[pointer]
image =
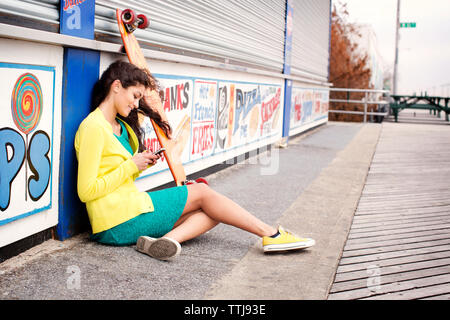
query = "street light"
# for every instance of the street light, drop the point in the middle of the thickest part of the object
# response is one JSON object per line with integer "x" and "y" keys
{"x": 397, "y": 27}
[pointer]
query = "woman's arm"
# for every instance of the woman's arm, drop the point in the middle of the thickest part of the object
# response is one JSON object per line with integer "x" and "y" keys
{"x": 90, "y": 142}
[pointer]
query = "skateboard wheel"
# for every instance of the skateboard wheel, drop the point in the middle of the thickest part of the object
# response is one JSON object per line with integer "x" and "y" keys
{"x": 128, "y": 16}
{"x": 202, "y": 180}
{"x": 143, "y": 21}
{"x": 198, "y": 180}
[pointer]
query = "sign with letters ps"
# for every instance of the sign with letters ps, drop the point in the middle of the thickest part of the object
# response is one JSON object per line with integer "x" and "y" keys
{"x": 26, "y": 139}
{"x": 77, "y": 18}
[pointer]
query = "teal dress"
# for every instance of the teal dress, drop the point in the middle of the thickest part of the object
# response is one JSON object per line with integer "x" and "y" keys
{"x": 168, "y": 203}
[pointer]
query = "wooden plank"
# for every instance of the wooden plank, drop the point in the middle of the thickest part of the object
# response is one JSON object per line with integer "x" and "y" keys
{"x": 390, "y": 278}
{"x": 386, "y": 243}
{"x": 408, "y": 289}
{"x": 375, "y": 205}
{"x": 439, "y": 226}
{"x": 438, "y": 297}
{"x": 401, "y": 205}
{"x": 399, "y": 175}
{"x": 390, "y": 197}
{"x": 411, "y": 202}
{"x": 396, "y": 228}
{"x": 372, "y": 190}
{"x": 378, "y": 188}
{"x": 405, "y": 223}
{"x": 377, "y": 181}
{"x": 407, "y": 171}
{"x": 398, "y": 215}
{"x": 369, "y": 211}
{"x": 384, "y": 211}
{"x": 414, "y": 293}
{"x": 417, "y": 265}
{"x": 393, "y": 216}
{"x": 427, "y": 256}
{"x": 377, "y": 257}
{"x": 395, "y": 246}
{"x": 399, "y": 220}
{"x": 377, "y": 241}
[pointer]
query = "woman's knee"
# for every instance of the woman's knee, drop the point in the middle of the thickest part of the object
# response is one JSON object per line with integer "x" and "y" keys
{"x": 197, "y": 192}
{"x": 199, "y": 189}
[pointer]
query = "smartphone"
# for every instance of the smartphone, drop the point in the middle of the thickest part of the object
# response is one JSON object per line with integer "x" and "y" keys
{"x": 159, "y": 151}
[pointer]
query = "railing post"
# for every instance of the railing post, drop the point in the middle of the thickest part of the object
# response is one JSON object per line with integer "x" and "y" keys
{"x": 365, "y": 107}
{"x": 446, "y": 109}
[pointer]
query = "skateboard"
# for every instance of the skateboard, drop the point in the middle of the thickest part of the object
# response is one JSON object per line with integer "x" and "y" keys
{"x": 128, "y": 22}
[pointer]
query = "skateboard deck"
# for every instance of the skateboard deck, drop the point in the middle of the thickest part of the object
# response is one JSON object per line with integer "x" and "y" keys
{"x": 175, "y": 145}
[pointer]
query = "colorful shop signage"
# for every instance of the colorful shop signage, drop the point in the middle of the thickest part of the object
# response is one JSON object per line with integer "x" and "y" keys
{"x": 308, "y": 105}
{"x": 211, "y": 116}
{"x": 26, "y": 131}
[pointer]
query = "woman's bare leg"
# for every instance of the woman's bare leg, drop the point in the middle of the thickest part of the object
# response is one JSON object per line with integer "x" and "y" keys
{"x": 214, "y": 208}
{"x": 191, "y": 225}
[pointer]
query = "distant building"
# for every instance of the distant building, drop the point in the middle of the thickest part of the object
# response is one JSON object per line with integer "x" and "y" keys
{"x": 367, "y": 44}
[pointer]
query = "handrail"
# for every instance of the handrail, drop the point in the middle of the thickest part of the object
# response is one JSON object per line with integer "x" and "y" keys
{"x": 359, "y": 90}
{"x": 366, "y": 101}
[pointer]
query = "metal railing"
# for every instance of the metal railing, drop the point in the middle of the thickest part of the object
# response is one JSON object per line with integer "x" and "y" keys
{"x": 370, "y": 97}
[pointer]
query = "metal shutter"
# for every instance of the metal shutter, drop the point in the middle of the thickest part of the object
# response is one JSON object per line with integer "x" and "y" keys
{"x": 310, "y": 38}
{"x": 242, "y": 31}
{"x": 44, "y": 11}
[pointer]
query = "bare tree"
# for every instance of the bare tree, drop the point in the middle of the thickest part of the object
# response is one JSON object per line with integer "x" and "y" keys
{"x": 348, "y": 68}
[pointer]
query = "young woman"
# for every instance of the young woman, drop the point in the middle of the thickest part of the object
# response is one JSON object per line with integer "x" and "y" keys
{"x": 111, "y": 155}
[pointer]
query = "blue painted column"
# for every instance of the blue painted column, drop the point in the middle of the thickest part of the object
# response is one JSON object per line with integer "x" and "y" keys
{"x": 80, "y": 72}
{"x": 287, "y": 68}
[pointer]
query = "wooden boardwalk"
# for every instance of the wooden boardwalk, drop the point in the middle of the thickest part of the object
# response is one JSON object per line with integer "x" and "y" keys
{"x": 399, "y": 243}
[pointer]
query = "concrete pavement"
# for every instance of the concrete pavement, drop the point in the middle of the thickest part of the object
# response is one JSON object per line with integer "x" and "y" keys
{"x": 313, "y": 192}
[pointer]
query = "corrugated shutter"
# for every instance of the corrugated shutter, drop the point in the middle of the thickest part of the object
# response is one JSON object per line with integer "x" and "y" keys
{"x": 310, "y": 38}
{"x": 45, "y": 11}
{"x": 243, "y": 31}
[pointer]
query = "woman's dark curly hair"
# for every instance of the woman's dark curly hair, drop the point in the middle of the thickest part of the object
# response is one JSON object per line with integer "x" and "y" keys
{"x": 130, "y": 75}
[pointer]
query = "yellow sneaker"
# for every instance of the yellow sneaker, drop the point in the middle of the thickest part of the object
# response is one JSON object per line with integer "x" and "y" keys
{"x": 286, "y": 241}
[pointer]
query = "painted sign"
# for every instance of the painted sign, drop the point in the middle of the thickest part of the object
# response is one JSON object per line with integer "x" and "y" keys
{"x": 210, "y": 116}
{"x": 26, "y": 132}
{"x": 178, "y": 97}
{"x": 203, "y": 119}
{"x": 246, "y": 113}
{"x": 308, "y": 105}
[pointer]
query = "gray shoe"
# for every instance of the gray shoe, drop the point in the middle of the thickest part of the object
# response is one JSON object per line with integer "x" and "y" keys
{"x": 162, "y": 248}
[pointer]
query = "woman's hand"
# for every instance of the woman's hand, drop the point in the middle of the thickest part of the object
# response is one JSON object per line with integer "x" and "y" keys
{"x": 145, "y": 159}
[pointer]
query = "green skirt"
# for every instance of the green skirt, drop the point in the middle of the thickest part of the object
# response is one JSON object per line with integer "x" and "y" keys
{"x": 169, "y": 205}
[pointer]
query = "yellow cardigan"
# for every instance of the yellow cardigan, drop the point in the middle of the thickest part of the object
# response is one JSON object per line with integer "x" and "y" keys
{"x": 106, "y": 174}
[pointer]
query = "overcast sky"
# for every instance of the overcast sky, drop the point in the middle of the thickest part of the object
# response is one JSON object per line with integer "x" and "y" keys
{"x": 424, "y": 51}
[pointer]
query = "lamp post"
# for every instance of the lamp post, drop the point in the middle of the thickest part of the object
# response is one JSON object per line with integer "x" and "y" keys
{"x": 397, "y": 34}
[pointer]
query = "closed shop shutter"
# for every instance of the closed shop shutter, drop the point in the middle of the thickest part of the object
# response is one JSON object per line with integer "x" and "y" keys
{"x": 310, "y": 38}
{"x": 247, "y": 32}
{"x": 39, "y": 14}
